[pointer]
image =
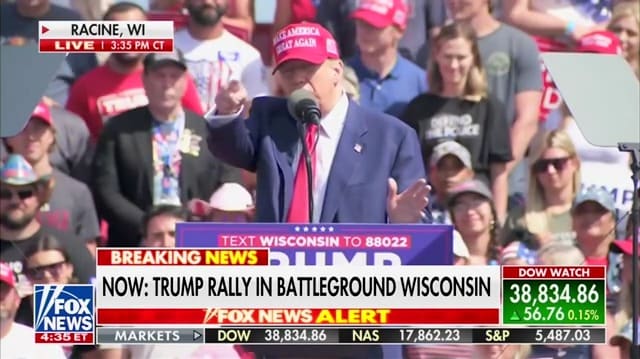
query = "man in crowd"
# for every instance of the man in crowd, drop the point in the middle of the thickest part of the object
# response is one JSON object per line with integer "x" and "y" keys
{"x": 17, "y": 340}
{"x": 154, "y": 155}
{"x": 159, "y": 225}
{"x": 20, "y": 201}
{"x": 388, "y": 81}
{"x": 73, "y": 150}
{"x": 69, "y": 205}
{"x": 215, "y": 56}
{"x": 511, "y": 60}
{"x": 116, "y": 86}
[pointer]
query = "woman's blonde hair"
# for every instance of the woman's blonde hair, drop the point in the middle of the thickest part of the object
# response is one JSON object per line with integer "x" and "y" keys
{"x": 476, "y": 85}
{"x": 624, "y": 9}
{"x": 536, "y": 217}
{"x": 560, "y": 254}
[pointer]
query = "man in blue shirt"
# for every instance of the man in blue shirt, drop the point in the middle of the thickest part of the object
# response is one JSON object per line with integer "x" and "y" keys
{"x": 388, "y": 81}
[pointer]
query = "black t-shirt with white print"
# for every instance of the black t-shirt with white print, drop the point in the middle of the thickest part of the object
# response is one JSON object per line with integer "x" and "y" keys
{"x": 480, "y": 126}
{"x": 84, "y": 265}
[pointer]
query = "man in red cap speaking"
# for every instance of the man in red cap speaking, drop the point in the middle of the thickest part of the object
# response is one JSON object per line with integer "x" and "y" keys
{"x": 366, "y": 166}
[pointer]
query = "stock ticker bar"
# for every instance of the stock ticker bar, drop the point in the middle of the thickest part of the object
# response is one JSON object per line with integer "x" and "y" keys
{"x": 349, "y": 335}
{"x": 414, "y": 335}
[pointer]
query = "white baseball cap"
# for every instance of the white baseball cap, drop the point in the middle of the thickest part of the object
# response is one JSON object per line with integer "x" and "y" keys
{"x": 231, "y": 197}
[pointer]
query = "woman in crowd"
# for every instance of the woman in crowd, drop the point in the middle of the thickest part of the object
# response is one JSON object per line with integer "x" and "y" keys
{"x": 458, "y": 107}
{"x": 554, "y": 181}
{"x": 46, "y": 262}
{"x": 625, "y": 23}
{"x": 593, "y": 217}
{"x": 474, "y": 216}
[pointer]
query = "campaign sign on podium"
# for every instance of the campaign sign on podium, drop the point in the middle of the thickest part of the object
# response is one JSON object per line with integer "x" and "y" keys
{"x": 327, "y": 244}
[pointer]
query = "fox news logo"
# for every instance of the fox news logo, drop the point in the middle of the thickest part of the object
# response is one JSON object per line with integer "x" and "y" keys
{"x": 63, "y": 308}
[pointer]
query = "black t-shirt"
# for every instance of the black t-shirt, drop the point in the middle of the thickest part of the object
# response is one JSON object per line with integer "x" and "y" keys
{"x": 84, "y": 265}
{"x": 480, "y": 126}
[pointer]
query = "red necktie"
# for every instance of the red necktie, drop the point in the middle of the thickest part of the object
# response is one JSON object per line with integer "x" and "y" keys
{"x": 299, "y": 209}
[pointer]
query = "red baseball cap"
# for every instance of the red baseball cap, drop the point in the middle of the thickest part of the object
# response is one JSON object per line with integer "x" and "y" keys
{"x": 305, "y": 41}
{"x": 382, "y": 13}
{"x": 625, "y": 246}
{"x": 7, "y": 275}
{"x": 43, "y": 113}
{"x": 602, "y": 42}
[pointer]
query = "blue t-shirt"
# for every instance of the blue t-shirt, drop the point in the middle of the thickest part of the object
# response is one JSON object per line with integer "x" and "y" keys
{"x": 392, "y": 93}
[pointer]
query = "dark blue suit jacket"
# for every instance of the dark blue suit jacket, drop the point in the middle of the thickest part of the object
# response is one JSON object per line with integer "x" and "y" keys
{"x": 372, "y": 148}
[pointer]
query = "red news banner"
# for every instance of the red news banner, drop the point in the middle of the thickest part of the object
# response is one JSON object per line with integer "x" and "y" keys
{"x": 190, "y": 286}
{"x": 105, "y": 36}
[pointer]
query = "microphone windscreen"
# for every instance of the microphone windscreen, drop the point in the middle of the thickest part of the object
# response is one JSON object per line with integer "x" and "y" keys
{"x": 299, "y": 101}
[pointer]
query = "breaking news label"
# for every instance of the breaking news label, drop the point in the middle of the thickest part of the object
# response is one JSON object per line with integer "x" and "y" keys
{"x": 63, "y": 314}
{"x": 105, "y": 36}
{"x": 350, "y": 335}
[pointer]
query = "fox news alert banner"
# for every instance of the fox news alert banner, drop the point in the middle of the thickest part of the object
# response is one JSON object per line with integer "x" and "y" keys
{"x": 235, "y": 287}
{"x": 105, "y": 36}
{"x": 328, "y": 244}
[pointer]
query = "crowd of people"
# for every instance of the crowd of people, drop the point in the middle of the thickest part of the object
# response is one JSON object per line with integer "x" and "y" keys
{"x": 122, "y": 147}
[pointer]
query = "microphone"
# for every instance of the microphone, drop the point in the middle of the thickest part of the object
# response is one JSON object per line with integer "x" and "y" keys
{"x": 303, "y": 106}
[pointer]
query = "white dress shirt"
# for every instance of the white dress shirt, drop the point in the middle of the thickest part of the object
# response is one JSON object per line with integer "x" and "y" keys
{"x": 330, "y": 132}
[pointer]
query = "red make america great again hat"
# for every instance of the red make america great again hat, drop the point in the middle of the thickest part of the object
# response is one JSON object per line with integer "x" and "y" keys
{"x": 305, "y": 41}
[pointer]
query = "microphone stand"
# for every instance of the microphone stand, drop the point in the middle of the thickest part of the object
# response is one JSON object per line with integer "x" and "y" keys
{"x": 634, "y": 149}
{"x": 306, "y": 155}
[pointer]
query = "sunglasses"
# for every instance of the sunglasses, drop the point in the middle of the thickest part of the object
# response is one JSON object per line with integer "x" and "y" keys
{"x": 558, "y": 164}
{"x": 53, "y": 269}
{"x": 22, "y": 194}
